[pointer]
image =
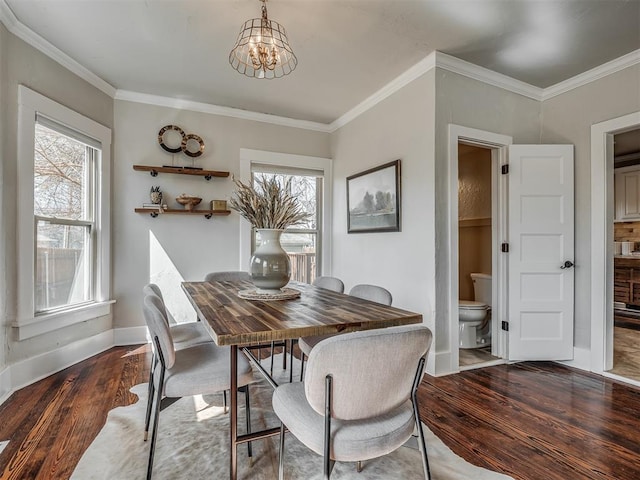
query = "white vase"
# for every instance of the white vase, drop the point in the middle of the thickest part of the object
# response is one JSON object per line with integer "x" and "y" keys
{"x": 270, "y": 269}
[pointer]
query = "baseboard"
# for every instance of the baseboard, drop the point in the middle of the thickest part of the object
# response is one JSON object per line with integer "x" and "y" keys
{"x": 439, "y": 364}
{"x": 130, "y": 336}
{"x": 30, "y": 370}
{"x": 5, "y": 384}
{"x": 581, "y": 359}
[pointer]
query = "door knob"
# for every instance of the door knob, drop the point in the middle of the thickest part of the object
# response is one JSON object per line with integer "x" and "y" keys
{"x": 567, "y": 264}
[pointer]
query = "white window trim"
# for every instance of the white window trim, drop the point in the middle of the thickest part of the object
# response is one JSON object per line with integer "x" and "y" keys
{"x": 248, "y": 157}
{"x": 27, "y": 324}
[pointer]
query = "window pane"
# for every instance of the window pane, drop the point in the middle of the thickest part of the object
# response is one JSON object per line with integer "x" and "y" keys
{"x": 304, "y": 188}
{"x": 61, "y": 187}
{"x": 62, "y": 265}
{"x": 301, "y": 248}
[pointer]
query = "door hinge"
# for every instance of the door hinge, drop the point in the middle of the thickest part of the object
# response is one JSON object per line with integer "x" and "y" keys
{"x": 505, "y": 169}
{"x": 505, "y": 247}
{"x": 505, "y": 326}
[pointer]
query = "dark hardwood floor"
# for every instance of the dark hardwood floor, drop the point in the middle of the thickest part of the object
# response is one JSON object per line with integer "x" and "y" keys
{"x": 531, "y": 421}
{"x": 51, "y": 423}
{"x": 537, "y": 421}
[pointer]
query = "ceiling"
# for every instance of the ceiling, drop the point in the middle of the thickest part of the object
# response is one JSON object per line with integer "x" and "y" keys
{"x": 347, "y": 50}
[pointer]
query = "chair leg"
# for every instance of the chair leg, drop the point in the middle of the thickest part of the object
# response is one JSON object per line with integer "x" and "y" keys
{"x": 150, "y": 394}
{"x": 154, "y": 433}
{"x": 281, "y": 455}
{"x": 284, "y": 355}
{"x": 291, "y": 361}
{"x": 302, "y": 355}
{"x": 359, "y": 466}
{"x": 224, "y": 401}
{"x": 416, "y": 416}
{"x": 247, "y": 411}
{"x": 327, "y": 463}
{"x": 272, "y": 347}
{"x": 423, "y": 445}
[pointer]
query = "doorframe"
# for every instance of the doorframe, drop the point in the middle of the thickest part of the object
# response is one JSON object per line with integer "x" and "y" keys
{"x": 498, "y": 144}
{"x": 602, "y": 208}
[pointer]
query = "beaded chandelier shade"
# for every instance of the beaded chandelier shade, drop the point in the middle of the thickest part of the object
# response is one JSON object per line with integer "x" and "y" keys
{"x": 262, "y": 49}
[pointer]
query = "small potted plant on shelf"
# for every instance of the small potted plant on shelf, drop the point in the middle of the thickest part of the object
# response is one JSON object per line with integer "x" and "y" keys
{"x": 155, "y": 195}
{"x": 270, "y": 208}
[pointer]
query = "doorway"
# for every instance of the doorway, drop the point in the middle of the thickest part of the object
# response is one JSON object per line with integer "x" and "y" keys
{"x": 602, "y": 242}
{"x": 626, "y": 256}
{"x": 475, "y": 255}
{"x": 493, "y": 145}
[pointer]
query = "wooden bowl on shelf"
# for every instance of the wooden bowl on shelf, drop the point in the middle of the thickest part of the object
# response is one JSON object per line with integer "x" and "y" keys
{"x": 188, "y": 201}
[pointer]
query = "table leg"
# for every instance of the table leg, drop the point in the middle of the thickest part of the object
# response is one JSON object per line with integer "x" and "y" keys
{"x": 233, "y": 414}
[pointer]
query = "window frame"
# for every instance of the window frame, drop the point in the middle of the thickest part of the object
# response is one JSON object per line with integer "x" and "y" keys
{"x": 285, "y": 161}
{"x": 320, "y": 181}
{"x": 28, "y": 323}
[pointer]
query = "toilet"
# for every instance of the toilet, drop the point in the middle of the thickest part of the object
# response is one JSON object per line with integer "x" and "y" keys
{"x": 475, "y": 331}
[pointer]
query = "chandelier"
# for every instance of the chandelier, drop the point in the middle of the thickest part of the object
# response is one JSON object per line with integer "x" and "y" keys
{"x": 262, "y": 49}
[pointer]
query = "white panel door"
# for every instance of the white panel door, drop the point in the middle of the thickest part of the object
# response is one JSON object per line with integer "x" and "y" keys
{"x": 541, "y": 252}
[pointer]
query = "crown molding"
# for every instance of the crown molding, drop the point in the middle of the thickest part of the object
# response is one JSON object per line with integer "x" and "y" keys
{"x": 23, "y": 32}
{"x": 485, "y": 75}
{"x": 434, "y": 59}
{"x": 218, "y": 110}
{"x": 447, "y": 62}
{"x": 419, "y": 69}
{"x": 592, "y": 75}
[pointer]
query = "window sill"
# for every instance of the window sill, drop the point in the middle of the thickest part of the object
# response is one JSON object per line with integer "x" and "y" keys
{"x": 33, "y": 327}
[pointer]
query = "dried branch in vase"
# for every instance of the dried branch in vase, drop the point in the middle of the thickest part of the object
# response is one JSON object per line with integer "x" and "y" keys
{"x": 268, "y": 205}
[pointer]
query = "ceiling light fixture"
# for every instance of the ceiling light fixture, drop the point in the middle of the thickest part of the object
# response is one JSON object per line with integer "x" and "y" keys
{"x": 262, "y": 49}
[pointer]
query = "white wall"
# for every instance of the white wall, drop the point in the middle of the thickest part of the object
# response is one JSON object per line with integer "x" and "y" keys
{"x": 25, "y": 65}
{"x": 400, "y": 127}
{"x": 567, "y": 118}
{"x": 174, "y": 248}
{"x": 3, "y": 218}
{"x": 468, "y": 103}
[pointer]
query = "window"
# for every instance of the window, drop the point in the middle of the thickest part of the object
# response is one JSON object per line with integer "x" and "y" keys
{"x": 308, "y": 245}
{"x": 63, "y": 216}
{"x": 302, "y": 242}
{"x": 63, "y": 189}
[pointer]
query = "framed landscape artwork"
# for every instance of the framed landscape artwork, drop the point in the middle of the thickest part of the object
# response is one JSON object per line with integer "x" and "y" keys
{"x": 373, "y": 200}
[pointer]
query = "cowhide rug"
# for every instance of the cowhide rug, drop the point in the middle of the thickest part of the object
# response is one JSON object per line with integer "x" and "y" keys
{"x": 193, "y": 443}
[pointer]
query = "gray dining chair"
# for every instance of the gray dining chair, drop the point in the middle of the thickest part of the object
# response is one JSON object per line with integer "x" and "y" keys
{"x": 229, "y": 276}
{"x": 329, "y": 283}
{"x": 184, "y": 335}
{"x": 365, "y": 291}
{"x": 237, "y": 276}
{"x": 202, "y": 369}
{"x": 358, "y": 400}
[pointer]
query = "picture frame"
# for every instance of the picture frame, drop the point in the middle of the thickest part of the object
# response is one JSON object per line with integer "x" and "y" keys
{"x": 373, "y": 199}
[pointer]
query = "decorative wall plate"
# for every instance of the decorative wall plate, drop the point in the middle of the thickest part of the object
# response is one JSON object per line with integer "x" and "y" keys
{"x": 192, "y": 145}
{"x": 161, "y": 141}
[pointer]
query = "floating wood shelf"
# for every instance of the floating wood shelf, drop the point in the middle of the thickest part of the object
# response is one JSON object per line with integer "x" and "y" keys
{"x": 207, "y": 174}
{"x": 154, "y": 212}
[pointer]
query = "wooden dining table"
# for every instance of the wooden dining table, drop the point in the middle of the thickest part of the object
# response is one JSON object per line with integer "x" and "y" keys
{"x": 242, "y": 324}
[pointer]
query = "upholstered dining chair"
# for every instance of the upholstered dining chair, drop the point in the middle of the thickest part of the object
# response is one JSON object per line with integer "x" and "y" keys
{"x": 184, "y": 335}
{"x": 365, "y": 291}
{"x": 198, "y": 370}
{"x": 358, "y": 400}
{"x": 237, "y": 276}
{"x": 230, "y": 276}
{"x": 329, "y": 283}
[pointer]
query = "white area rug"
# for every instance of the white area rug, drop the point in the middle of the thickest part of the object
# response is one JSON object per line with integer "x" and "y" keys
{"x": 193, "y": 444}
{"x": 3, "y": 445}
